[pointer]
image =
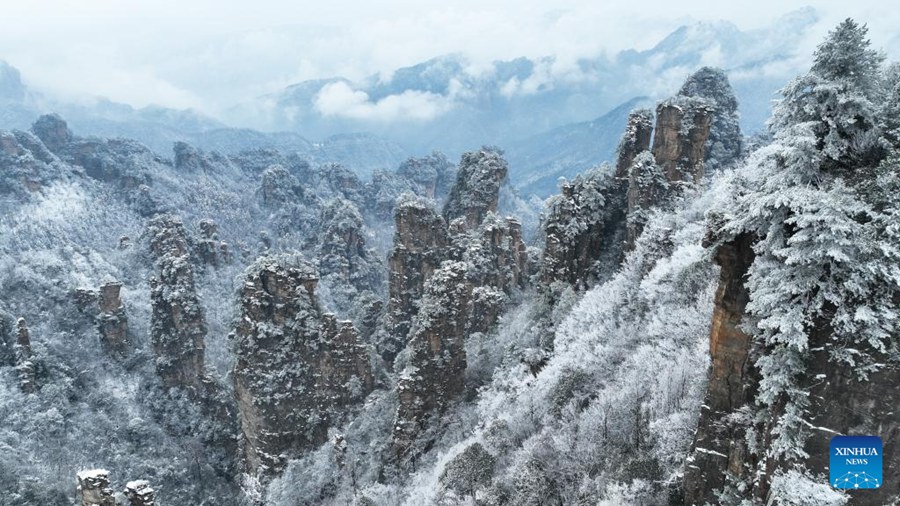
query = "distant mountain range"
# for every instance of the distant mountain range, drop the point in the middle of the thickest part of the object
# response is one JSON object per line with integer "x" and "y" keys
{"x": 553, "y": 120}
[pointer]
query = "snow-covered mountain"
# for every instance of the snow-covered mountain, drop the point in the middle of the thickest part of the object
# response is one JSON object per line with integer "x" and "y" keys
{"x": 449, "y": 104}
{"x": 552, "y": 118}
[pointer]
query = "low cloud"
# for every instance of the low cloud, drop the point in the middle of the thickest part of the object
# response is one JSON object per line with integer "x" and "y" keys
{"x": 340, "y": 100}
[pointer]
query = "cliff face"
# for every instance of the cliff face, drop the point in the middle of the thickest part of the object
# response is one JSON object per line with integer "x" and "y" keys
{"x": 719, "y": 444}
{"x": 53, "y": 132}
{"x": 351, "y": 269}
{"x": 112, "y": 322}
{"x": 679, "y": 142}
{"x": 477, "y": 187}
{"x": 436, "y": 371}
{"x": 638, "y": 133}
{"x": 93, "y": 488}
{"x": 420, "y": 245}
{"x": 296, "y": 370}
{"x": 7, "y": 341}
{"x": 648, "y": 187}
{"x": 725, "y": 141}
{"x": 178, "y": 325}
{"x": 585, "y": 230}
{"x": 24, "y": 365}
{"x": 840, "y": 403}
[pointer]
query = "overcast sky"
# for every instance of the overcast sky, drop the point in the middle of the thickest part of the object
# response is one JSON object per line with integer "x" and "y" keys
{"x": 208, "y": 54}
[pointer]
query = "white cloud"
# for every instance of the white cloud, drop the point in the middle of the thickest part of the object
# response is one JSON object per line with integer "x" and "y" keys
{"x": 210, "y": 54}
{"x": 339, "y": 99}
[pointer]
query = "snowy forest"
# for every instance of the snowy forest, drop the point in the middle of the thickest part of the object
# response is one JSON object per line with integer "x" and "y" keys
{"x": 688, "y": 323}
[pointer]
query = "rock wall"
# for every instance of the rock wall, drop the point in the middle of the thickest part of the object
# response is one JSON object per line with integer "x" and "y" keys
{"x": 421, "y": 243}
{"x": 177, "y": 323}
{"x": 584, "y": 228}
{"x": 719, "y": 443}
{"x": 477, "y": 188}
{"x": 297, "y": 369}
{"x": 93, "y": 488}
{"x": 648, "y": 187}
{"x": 839, "y": 404}
{"x": 112, "y": 322}
{"x": 140, "y": 493}
{"x": 208, "y": 249}
{"x": 638, "y": 132}
{"x": 725, "y": 140}
{"x": 435, "y": 375}
{"x": 7, "y": 339}
{"x": 24, "y": 365}
{"x": 679, "y": 141}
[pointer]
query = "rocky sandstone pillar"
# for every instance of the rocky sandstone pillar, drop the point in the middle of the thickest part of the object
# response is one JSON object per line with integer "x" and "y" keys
{"x": 297, "y": 369}
{"x": 679, "y": 142}
{"x": 93, "y": 488}
{"x": 139, "y": 493}
{"x": 111, "y": 320}
{"x": 178, "y": 325}
{"x": 24, "y": 366}
{"x": 421, "y": 243}
{"x": 435, "y": 375}
{"x": 719, "y": 444}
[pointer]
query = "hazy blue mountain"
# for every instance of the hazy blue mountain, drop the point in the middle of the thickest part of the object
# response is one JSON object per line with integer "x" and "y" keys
{"x": 552, "y": 123}
{"x": 567, "y": 150}
{"x": 518, "y": 99}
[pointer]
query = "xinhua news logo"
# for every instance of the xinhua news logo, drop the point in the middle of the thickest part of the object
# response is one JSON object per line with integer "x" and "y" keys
{"x": 856, "y": 462}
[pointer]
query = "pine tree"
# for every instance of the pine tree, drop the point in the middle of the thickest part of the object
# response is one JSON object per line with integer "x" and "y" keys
{"x": 837, "y": 100}
{"x": 821, "y": 200}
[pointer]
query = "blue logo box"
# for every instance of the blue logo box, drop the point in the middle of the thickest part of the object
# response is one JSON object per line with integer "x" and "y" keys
{"x": 856, "y": 462}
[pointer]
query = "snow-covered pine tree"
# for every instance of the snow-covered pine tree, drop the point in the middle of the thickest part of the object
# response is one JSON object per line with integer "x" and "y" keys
{"x": 827, "y": 255}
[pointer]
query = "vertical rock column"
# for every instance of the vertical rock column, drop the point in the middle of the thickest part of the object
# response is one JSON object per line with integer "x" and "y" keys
{"x": 679, "y": 143}
{"x": 638, "y": 132}
{"x": 420, "y": 245}
{"x": 719, "y": 444}
{"x": 139, "y": 493}
{"x": 647, "y": 188}
{"x": 112, "y": 321}
{"x": 178, "y": 325}
{"x": 297, "y": 370}
{"x": 24, "y": 365}
{"x": 435, "y": 375}
{"x": 7, "y": 342}
{"x": 477, "y": 187}
{"x": 93, "y": 488}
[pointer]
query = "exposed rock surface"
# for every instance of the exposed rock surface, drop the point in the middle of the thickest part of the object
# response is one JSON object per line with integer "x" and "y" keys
{"x": 477, "y": 188}
{"x": 297, "y": 369}
{"x": 840, "y": 403}
{"x": 208, "y": 248}
{"x": 24, "y": 365}
{"x": 679, "y": 141}
{"x": 496, "y": 254}
{"x": 584, "y": 227}
{"x": 432, "y": 176}
{"x": 53, "y": 132}
{"x": 112, "y": 322}
{"x": 178, "y": 325}
{"x": 140, "y": 493}
{"x": 435, "y": 375}
{"x": 647, "y": 187}
{"x": 420, "y": 245}
{"x": 7, "y": 339}
{"x": 719, "y": 443}
{"x": 279, "y": 187}
{"x": 638, "y": 132}
{"x": 344, "y": 260}
{"x": 725, "y": 141}
{"x": 93, "y": 488}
